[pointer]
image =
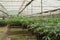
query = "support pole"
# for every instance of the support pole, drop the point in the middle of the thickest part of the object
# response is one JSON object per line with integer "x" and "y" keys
{"x": 41, "y": 8}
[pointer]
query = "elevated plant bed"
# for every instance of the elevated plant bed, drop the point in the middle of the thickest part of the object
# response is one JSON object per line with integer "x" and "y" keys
{"x": 3, "y": 25}
{"x": 18, "y": 26}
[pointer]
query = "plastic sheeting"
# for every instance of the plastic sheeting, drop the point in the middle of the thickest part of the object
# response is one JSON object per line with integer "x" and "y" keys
{"x": 34, "y": 7}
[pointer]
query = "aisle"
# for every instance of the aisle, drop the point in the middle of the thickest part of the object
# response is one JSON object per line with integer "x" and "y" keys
{"x": 3, "y": 33}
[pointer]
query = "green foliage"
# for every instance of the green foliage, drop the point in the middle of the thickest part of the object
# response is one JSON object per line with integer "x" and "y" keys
{"x": 3, "y": 23}
{"x": 49, "y": 27}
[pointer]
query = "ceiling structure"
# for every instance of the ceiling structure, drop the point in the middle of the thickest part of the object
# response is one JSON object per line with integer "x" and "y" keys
{"x": 34, "y": 7}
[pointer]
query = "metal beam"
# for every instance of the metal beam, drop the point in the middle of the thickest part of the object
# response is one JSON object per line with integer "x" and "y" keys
{"x": 4, "y": 12}
{"x": 3, "y": 7}
{"x": 25, "y": 6}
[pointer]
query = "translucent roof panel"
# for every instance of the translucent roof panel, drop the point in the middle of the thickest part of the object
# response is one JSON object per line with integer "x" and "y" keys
{"x": 34, "y": 7}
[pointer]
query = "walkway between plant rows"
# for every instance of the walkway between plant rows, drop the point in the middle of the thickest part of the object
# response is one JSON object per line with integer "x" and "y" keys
{"x": 3, "y": 33}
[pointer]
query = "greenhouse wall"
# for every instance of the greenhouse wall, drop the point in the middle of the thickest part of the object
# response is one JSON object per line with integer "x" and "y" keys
{"x": 47, "y": 14}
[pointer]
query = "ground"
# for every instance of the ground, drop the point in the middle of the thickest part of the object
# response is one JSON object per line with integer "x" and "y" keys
{"x": 3, "y": 33}
{"x": 20, "y": 34}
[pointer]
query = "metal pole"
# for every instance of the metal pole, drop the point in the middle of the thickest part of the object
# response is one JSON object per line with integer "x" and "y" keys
{"x": 22, "y": 5}
{"x": 42, "y": 7}
{"x": 50, "y": 14}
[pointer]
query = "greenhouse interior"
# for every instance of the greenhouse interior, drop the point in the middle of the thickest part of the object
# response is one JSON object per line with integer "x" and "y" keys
{"x": 29, "y": 19}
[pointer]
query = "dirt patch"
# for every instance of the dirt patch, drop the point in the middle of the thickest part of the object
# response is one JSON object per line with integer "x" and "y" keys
{"x": 20, "y": 34}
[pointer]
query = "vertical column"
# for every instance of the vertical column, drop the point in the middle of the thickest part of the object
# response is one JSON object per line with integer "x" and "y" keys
{"x": 31, "y": 8}
{"x": 41, "y": 8}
